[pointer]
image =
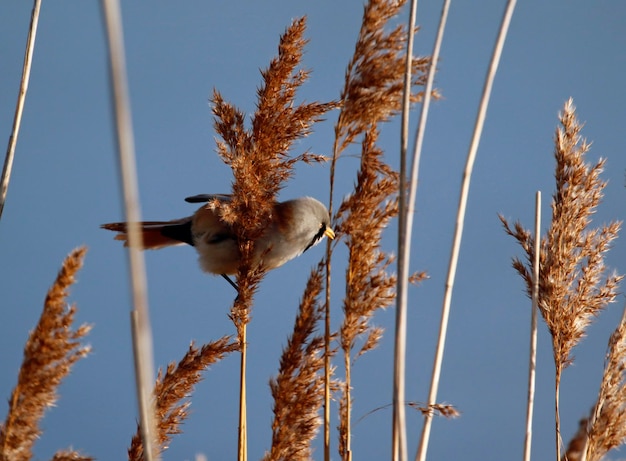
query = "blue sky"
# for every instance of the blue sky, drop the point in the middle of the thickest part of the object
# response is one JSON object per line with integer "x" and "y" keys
{"x": 65, "y": 185}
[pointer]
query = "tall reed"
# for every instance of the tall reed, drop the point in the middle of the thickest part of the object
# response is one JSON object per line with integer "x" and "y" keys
{"x": 573, "y": 285}
{"x": 260, "y": 161}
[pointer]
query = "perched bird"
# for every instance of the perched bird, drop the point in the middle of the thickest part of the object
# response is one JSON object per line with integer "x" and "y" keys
{"x": 295, "y": 226}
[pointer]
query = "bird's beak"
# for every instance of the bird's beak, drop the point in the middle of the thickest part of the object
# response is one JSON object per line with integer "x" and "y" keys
{"x": 328, "y": 232}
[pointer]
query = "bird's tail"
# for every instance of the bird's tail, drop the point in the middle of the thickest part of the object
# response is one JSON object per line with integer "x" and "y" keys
{"x": 156, "y": 234}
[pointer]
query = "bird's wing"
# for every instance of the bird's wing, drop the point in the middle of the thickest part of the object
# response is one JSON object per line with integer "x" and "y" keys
{"x": 202, "y": 198}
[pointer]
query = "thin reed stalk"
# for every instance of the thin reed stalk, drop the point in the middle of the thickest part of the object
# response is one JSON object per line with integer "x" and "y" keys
{"x": 140, "y": 320}
{"x": 557, "y": 415}
{"x": 460, "y": 219}
{"x": 404, "y": 261}
{"x": 398, "y": 433}
{"x": 242, "y": 432}
{"x": 19, "y": 108}
{"x": 327, "y": 330}
{"x": 406, "y": 212}
{"x": 532, "y": 359}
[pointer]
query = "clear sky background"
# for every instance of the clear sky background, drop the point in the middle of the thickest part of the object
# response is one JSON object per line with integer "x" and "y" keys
{"x": 65, "y": 185}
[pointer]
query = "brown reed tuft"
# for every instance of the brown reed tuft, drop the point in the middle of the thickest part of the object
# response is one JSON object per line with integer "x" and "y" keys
{"x": 374, "y": 76}
{"x": 260, "y": 161}
{"x": 361, "y": 219}
{"x": 573, "y": 287}
{"x": 606, "y": 426}
{"x": 173, "y": 387}
{"x": 50, "y": 352}
{"x": 259, "y": 156}
{"x": 298, "y": 390}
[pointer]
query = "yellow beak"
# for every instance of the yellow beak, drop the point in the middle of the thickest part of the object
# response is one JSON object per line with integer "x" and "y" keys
{"x": 328, "y": 232}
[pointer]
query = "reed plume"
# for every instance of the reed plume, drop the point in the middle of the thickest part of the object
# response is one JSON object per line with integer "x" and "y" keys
{"x": 174, "y": 388}
{"x": 373, "y": 85}
{"x": 605, "y": 428}
{"x": 298, "y": 389}
{"x": 259, "y": 156}
{"x": 573, "y": 286}
{"x": 51, "y": 350}
{"x": 361, "y": 219}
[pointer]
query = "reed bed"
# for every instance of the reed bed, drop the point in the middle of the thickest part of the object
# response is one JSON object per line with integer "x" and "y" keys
{"x": 573, "y": 282}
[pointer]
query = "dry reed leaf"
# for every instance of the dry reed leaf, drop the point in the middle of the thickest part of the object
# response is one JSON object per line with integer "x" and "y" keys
{"x": 298, "y": 390}
{"x": 440, "y": 409}
{"x": 174, "y": 387}
{"x": 418, "y": 277}
{"x": 436, "y": 409}
{"x": 50, "y": 352}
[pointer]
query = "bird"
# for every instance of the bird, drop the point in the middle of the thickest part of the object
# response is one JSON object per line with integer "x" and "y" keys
{"x": 294, "y": 227}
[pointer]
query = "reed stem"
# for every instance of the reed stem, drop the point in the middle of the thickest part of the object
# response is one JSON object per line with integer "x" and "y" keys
{"x": 19, "y": 108}
{"x": 532, "y": 365}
